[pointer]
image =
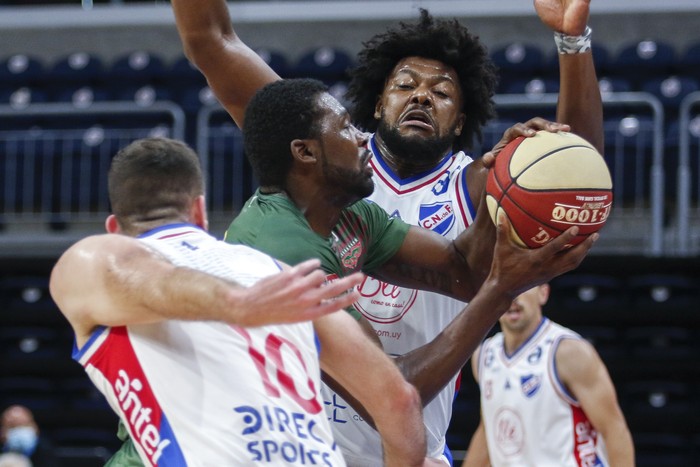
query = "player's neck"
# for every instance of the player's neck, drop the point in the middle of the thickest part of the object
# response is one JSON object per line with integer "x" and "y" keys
{"x": 513, "y": 339}
{"x": 402, "y": 166}
{"x": 321, "y": 207}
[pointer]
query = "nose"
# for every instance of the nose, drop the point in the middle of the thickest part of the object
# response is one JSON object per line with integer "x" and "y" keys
{"x": 362, "y": 138}
{"x": 421, "y": 95}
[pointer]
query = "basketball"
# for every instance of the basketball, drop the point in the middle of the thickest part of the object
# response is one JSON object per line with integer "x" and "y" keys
{"x": 547, "y": 183}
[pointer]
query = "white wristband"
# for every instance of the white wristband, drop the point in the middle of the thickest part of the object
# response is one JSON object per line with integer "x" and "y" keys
{"x": 573, "y": 44}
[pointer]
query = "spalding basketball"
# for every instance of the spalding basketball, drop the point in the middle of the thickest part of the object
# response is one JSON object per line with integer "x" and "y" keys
{"x": 547, "y": 183}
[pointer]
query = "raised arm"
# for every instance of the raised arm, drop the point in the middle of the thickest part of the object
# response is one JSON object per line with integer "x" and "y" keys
{"x": 114, "y": 280}
{"x": 580, "y": 104}
{"x": 584, "y": 374}
{"x": 233, "y": 70}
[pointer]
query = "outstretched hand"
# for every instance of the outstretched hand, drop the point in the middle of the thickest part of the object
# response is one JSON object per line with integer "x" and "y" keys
{"x": 566, "y": 16}
{"x": 299, "y": 293}
{"x": 517, "y": 269}
{"x": 527, "y": 129}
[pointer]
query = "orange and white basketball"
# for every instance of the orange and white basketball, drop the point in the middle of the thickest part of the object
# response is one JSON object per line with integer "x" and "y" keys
{"x": 547, "y": 183}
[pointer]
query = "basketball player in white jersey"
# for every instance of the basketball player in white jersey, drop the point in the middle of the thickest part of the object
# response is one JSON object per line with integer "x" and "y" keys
{"x": 203, "y": 348}
{"x": 546, "y": 397}
{"x": 427, "y": 90}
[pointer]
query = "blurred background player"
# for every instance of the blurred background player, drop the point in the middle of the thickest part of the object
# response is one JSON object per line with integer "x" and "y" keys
{"x": 546, "y": 396}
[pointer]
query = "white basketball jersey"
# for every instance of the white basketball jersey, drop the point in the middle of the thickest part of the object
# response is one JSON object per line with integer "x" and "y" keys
{"x": 405, "y": 319}
{"x": 530, "y": 419}
{"x": 199, "y": 393}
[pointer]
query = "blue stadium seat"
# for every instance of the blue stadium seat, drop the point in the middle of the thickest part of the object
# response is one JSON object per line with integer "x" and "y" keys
{"x": 83, "y": 97}
{"x": 608, "y": 84}
{"x": 194, "y": 98}
{"x": 533, "y": 87}
{"x": 665, "y": 297}
{"x": 144, "y": 96}
{"x": 328, "y": 64}
{"x": 662, "y": 351}
{"x": 518, "y": 57}
{"x": 659, "y": 406}
{"x": 136, "y": 68}
{"x": 629, "y": 145}
{"x": 77, "y": 68}
{"x": 606, "y": 340}
{"x": 586, "y": 299}
{"x": 671, "y": 90}
{"x": 641, "y": 60}
{"x": 21, "y": 69}
{"x": 276, "y": 59}
{"x": 21, "y": 97}
{"x": 690, "y": 59}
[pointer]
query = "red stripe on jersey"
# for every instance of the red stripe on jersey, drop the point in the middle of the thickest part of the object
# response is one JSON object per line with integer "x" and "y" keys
{"x": 118, "y": 363}
{"x": 585, "y": 438}
{"x": 387, "y": 182}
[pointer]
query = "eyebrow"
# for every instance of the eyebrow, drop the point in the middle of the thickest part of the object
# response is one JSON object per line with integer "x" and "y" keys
{"x": 414, "y": 74}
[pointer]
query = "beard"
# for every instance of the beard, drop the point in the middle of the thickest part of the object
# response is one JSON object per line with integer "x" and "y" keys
{"x": 354, "y": 183}
{"x": 414, "y": 148}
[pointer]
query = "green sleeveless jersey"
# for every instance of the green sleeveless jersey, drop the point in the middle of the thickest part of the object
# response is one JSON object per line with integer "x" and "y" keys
{"x": 364, "y": 238}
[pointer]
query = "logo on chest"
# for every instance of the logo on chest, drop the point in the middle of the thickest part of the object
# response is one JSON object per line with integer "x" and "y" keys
{"x": 438, "y": 217}
{"x": 349, "y": 253}
{"x": 381, "y": 302}
{"x": 530, "y": 384}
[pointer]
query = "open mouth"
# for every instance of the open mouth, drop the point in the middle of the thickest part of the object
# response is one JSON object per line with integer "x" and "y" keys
{"x": 417, "y": 118}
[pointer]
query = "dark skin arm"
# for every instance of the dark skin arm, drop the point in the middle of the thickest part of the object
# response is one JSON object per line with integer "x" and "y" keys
{"x": 513, "y": 270}
{"x": 233, "y": 70}
{"x": 580, "y": 104}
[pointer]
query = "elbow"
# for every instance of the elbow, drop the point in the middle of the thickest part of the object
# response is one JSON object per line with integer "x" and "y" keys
{"x": 405, "y": 399}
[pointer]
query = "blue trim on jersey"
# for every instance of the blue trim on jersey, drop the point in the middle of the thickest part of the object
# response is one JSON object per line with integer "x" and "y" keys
{"x": 77, "y": 353}
{"x": 318, "y": 343}
{"x": 555, "y": 372}
{"x": 468, "y": 199}
{"x": 172, "y": 454}
{"x": 527, "y": 341}
{"x": 447, "y": 453}
{"x": 161, "y": 228}
{"x": 395, "y": 177}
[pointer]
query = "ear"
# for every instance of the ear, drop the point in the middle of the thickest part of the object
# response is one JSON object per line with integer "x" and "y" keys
{"x": 460, "y": 124}
{"x": 198, "y": 213}
{"x": 543, "y": 293}
{"x": 378, "y": 109}
{"x": 304, "y": 150}
{"x": 111, "y": 224}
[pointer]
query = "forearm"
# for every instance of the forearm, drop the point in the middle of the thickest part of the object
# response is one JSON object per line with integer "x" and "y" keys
{"x": 430, "y": 367}
{"x": 477, "y": 452}
{"x": 580, "y": 104}
{"x": 619, "y": 445}
{"x": 370, "y": 377}
{"x": 200, "y": 24}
